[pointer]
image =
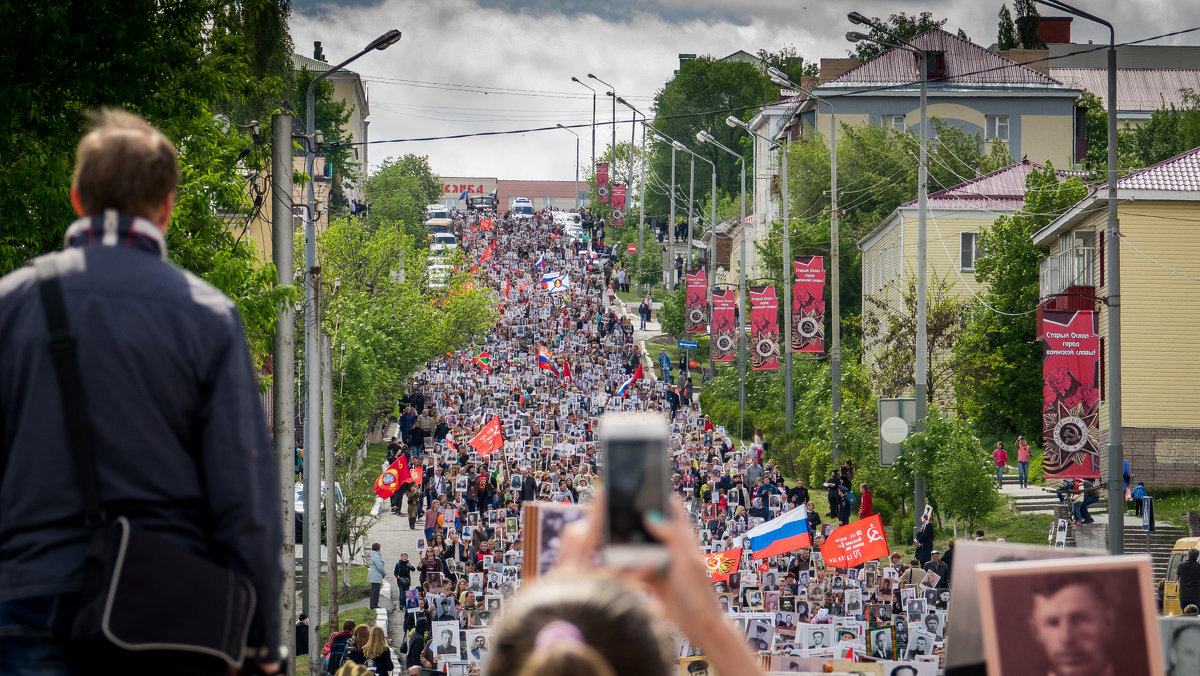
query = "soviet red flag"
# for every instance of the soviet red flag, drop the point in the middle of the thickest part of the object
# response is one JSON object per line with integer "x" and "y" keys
{"x": 721, "y": 564}
{"x": 489, "y": 438}
{"x": 395, "y": 476}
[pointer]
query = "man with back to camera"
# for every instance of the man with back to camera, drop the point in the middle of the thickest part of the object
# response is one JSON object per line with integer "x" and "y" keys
{"x": 1075, "y": 623}
{"x": 173, "y": 407}
{"x": 1188, "y": 573}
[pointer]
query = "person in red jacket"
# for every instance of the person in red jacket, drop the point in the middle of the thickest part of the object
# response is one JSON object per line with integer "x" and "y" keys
{"x": 866, "y": 509}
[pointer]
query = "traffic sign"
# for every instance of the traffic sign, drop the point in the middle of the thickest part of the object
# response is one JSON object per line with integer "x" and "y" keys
{"x": 632, "y": 248}
{"x": 687, "y": 345}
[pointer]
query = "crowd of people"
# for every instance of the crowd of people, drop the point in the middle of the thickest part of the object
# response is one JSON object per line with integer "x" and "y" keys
{"x": 560, "y": 356}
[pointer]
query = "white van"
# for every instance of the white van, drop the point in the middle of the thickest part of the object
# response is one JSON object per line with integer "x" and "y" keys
{"x": 520, "y": 207}
{"x": 436, "y": 211}
{"x": 442, "y": 241}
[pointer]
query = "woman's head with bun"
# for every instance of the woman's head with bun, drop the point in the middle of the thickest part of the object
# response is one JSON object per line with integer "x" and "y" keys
{"x": 581, "y": 626}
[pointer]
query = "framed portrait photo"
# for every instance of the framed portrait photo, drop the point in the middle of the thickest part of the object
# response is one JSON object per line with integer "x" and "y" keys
{"x": 1082, "y": 615}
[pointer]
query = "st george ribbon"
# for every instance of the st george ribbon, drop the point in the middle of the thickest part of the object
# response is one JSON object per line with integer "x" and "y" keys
{"x": 1070, "y": 395}
{"x": 764, "y": 328}
{"x": 724, "y": 329}
{"x": 808, "y": 305}
{"x": 695, "y": 319}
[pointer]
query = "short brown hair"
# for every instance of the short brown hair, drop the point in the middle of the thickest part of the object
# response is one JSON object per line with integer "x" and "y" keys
{"x": 123, "y": 163}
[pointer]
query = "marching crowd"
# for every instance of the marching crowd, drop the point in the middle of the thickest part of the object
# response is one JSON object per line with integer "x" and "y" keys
{"x": 561, "y": 355}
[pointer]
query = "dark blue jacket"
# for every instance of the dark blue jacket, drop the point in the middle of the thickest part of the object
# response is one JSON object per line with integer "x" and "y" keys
{"x": 173, "y": 406}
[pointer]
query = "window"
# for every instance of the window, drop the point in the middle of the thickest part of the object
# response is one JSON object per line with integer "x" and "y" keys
{"x": 968, "y": 250}
{"x": 996, "y": 128}
{"x": 896, "y": 122}
{"x": 937, "y": 65}
{"x": 866, "y": 274}
{"x": 1083, "y": 259}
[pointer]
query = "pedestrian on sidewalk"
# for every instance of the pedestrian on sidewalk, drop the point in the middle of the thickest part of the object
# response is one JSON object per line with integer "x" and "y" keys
{"x": 1000, "y": 459}
{"x": 403, "y": 573}
{"x": 867, "y": 509}
{"x": 375, "y": 573}
{"x": 1022, "y": 462}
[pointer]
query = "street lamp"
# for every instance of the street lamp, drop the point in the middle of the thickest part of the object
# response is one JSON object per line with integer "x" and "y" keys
{"x": 641, "y": 181}
{"x": 835, "y": 351}
{"x": 921, "y": 371}
{"x": 671, "y": 217}
{"x": 712, "y": 244}
{"x": 580, "y": 82}
{"x": 613, "y": 94}
{"x": 1116, "y": 450}
{"x": 560, "y": 126}
{"x": 705, "y": 137}
{"x": 312, "y": 357}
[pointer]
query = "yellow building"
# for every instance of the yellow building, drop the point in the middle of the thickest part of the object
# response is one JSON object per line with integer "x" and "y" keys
{"x": 1159, "y": 214}
{"x": 956, "y": 216}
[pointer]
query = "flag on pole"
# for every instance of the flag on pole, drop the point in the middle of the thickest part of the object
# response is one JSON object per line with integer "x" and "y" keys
{"x": 489, "y": 438}
{"x": 567, "y": 370}
{"x": 482, "y": 360}
{"x": 395, "y": 476}
{"x": 463, "y": 196}
{"x": 546, "y": 360}
{"x": 855, "y": 543}
{"x": 721, "y": 564}
{"x": 541, "y": 262}
{"x": 554, "y": 283}
{"x": 637, "y": 375}
{"x": 785, "y": 533}
{"x": 506, "y": 288}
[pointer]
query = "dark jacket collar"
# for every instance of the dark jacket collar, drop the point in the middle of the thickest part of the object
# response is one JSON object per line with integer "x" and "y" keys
{"x": 114, "y": 229}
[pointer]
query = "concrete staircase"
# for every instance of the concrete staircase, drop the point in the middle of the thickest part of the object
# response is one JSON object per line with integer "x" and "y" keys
{"x": 1037, "y": 500}
{"x": 1158, "y": 544}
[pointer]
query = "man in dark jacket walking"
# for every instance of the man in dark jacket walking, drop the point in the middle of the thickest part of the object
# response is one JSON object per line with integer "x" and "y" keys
{"x": 924, "y": 542}
{"x": 528, "y": 488}
{"x": 1188, "y": 573}
{"x": 172, "y": 404}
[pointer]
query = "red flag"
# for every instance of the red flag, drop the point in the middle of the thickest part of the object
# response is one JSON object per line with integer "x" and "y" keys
{"x": 487, "y": 253}
{"x": 763, "y": 567}
{"x": 489, "y": 438}
{"x": 721, "y": 564}
{"x": 567, "y": 370}
{"x": 418, "y": 475}
{"x": 395, "y": 476}
{"x": 856, "y": 543}
{"x": 506, "y": 288}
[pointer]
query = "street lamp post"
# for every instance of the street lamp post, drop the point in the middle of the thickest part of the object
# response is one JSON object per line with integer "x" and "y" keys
{"x": 1116, "y": 447}
{"x": 835, "y": 349}
{"x": 705, "y": 137}
{"x": 712, "y": 244}
{"x": 580, "y": 82}
{"x": 312, "y": 357}
{"x": 641, "y": 181}
{"x": 612, "y": 94}
{"x": 560, "y": 126}
{"x": 921, "y": 371}
{"x": 671, "y": 218}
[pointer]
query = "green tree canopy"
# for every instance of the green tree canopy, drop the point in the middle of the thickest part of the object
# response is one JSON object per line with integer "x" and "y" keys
{"x": 399, "y": 192}
{"x": 902, "y": 26}
{"x": 1006, "y": 33}
{"x": 1027, "y": 25}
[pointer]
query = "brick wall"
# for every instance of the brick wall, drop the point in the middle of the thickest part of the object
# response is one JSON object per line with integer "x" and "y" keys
{"x": 1160, "y": 457}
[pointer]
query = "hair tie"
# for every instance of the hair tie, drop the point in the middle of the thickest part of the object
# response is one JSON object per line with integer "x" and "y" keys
{"x": 558, "y": 630}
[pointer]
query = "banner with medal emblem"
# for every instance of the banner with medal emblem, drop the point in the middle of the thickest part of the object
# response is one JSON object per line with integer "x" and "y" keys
{"x": 722, "y": 564}
{"x": 808, "y": 305}
{"x": 1071, "y": 395}
{"x": 695, "y": 318}
{"x": 724, "y": 329}
{"x": 602, "y": 187}
{"x": 618, "y": 204}
{"x": 764, "y": 328}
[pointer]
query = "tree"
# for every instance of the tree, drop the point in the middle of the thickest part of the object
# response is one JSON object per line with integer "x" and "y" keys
{"x": 333, "y": 117}
{"x": 671, "y": 315}
{"x": 1006, "y": 34}
{"x": 900, "y": 27}
{"x": 956, "y": 156}
{"x": 788, "y": 60}
{"x": 963, "y": 486}
{"x": 998, "y": 377}
{"x": 398, "y": 193}
{"x": 649, "y": 267}
{"x": 998, "y": 157}
{"x": 890, "y": 332}
{"x": 1027, "y": 25}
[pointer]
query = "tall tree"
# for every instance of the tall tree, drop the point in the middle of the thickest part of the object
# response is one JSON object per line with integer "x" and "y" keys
{"x": 788, "y": 60}
{"x": 398, "y": 193}
{"x": 1027, "y": 25}
{"x": 333, "y": 119}
{"x": 1006, "y": 33}
{"x": 902, "y": 26}
{"x": 998, "y": 378}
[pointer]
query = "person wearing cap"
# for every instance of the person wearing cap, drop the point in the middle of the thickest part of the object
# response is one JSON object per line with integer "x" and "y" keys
{"x": 759, "y": 640}
{"x": 843, "y": 506}
{"x": 302, "y": 635}
{"x": 938, "y": 567}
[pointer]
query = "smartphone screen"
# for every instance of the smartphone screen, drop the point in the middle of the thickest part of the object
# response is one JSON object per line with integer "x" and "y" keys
{"x": 636, "y": 466}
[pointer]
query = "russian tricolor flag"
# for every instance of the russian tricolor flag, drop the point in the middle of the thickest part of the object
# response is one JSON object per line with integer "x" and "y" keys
{"x": 541, "y": 262}
{"x": 545, "y": 360}
{"x": 637, "y": 375}
{"x": 785, "y": 533}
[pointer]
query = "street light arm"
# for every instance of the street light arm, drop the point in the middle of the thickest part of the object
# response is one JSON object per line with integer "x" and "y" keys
{"x": 1064, "y": 7}
{"x": 578, "y": 81}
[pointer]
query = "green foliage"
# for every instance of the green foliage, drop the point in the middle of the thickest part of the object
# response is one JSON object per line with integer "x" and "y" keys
{"x": 332, "y": 119}
{"x": 398, "y": 193}
{"x": 625, "y": 168}
{"x": 998, "y": 378}
{"x": 788, "y": 60}
{"x": 961, "y": 484}
{"x": 649, "y": 267}
{"x": 671, "y": 315}
{"x": 1027, "y": 24}
{"x": 900, "y": 27}
{"x": 998, "y": 157}
{"x": 1006, "y": 33}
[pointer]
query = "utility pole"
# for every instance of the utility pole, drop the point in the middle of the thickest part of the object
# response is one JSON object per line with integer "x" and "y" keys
{"x": 331, "y": 540}
{"x": 670, "y": 266}
{"x": 283, "y": 375}
{"x": 691, "y": 218}
{"x": 788, "y": 284}
{"x": 835, "y": 261}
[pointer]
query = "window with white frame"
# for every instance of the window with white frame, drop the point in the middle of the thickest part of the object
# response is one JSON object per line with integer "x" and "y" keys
{"x": 996, "y": 128}
{"x": 897, "y": 122}
{"x": 866, "y": 273}
{"x": 968, "y": 250}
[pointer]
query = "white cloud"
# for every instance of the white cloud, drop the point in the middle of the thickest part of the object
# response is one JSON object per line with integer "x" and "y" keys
{"x": 539, "y": 45}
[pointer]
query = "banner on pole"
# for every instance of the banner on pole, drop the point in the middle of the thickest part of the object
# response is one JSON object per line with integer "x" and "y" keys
{"x": 695, "y": 319}
{"x": 618, "y": 204}
{"x": 808, "y": 305}
{"x": 489, "y": 438}
{"x": 1070, "y": 396}
{"x": 602, "y": 187}
{"x": 764, "y": 328}
{"x": 855, "y": 543}
{"x": 724, "y": 328}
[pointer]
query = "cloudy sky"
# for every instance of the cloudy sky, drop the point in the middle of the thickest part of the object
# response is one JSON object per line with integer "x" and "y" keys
{"x": 468, "y": 66}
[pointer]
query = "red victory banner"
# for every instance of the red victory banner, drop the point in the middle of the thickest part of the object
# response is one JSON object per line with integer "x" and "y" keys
{"x": 395, "y": 476}
{"x": 489, "y": 438}
{"x": 721, "y": 564}
{"x": 764, "y": 328}
{"x": 618, "y": 205}
{"x": 855, "y": 543}
{"x": 724, "y": 329}
{"x": 602, "y": 187}
{"x": 808, "y": 305}
{"x": 1070, "y": 397}
{"x": 695, "y": 318}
